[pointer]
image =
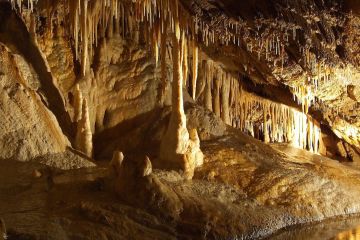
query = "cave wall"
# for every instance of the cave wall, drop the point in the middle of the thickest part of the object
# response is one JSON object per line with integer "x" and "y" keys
{"x": 123, "y": 82}
{"x": 27, "y": 128}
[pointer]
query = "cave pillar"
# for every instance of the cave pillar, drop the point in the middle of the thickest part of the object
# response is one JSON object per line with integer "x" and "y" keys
{"x": 177, "y": 149}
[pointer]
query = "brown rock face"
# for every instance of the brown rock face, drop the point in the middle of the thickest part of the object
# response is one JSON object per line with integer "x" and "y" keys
{"x": 27, "y": 128}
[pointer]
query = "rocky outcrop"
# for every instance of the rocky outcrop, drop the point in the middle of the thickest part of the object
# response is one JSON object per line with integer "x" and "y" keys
{"x": 27, "y": 128}
{"x": 136, "y": 173}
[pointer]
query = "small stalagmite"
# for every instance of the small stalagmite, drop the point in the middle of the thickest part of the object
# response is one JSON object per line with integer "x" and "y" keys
{"x": 146, "y": 167}
{"x": 116, "y": 161}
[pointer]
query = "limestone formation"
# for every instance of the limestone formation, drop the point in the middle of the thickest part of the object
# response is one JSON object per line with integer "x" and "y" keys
{"x": 196, "y": 153}
{"x": 27, "y": 128}
{"x": 216, "y": 95}
{"x": 78, "y": 104}
{"x": 116, "y": 162}
{"x": 225, "y": 96}
{"x": 83, "y": 140}
{"x": 177, "y": 149}
{"x": 146, "y": 167}
{"x": 195, "y": 62}
{"x": 257, "y": 103}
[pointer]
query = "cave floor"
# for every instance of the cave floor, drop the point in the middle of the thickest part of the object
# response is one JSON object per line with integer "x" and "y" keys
{"x": 244, "y": 189}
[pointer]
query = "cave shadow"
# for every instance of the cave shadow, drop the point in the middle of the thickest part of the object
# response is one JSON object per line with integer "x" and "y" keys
{"x": 138, "y": 135}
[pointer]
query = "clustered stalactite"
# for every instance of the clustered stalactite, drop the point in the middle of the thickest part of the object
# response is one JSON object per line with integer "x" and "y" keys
{"x": 280, "y": 123}
{"x": 260, "y": 118}
{"x": 91, "y": 20}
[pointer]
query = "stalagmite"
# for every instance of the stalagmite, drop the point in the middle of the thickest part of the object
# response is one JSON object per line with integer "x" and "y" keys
{"x": 83, "y": 140}
{"x": 196, "y": 152}
{"x": 116, "y": 162}
{"x": 146, "y": 167}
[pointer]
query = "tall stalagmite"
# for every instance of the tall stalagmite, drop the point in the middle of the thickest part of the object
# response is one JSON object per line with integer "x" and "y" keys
{"x": 83, "y": 140}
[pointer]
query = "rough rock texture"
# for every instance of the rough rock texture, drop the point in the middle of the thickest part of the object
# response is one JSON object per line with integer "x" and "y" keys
{"x": 310, "y": 43}
{"x": 27, "y": 128}
{"x": 70, "y": 159}
{"x": 245, "y": 189}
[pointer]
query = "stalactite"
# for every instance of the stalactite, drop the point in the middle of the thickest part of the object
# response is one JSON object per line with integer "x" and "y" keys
{"x": 280, "y": 123}
{"x": 184, "y": 59}
{"x": 265, "y": 125}
{"x": 78, "y": 103}
{"x": 84, "y": 37}
{"x": 216, "y": 94}
{"x": 225, "y": 95}
{"x": 208, "y": 86}
{"x": 91, "y": 20}
{"x": 194, "y": 69}
{"x": 163, "y": 56}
